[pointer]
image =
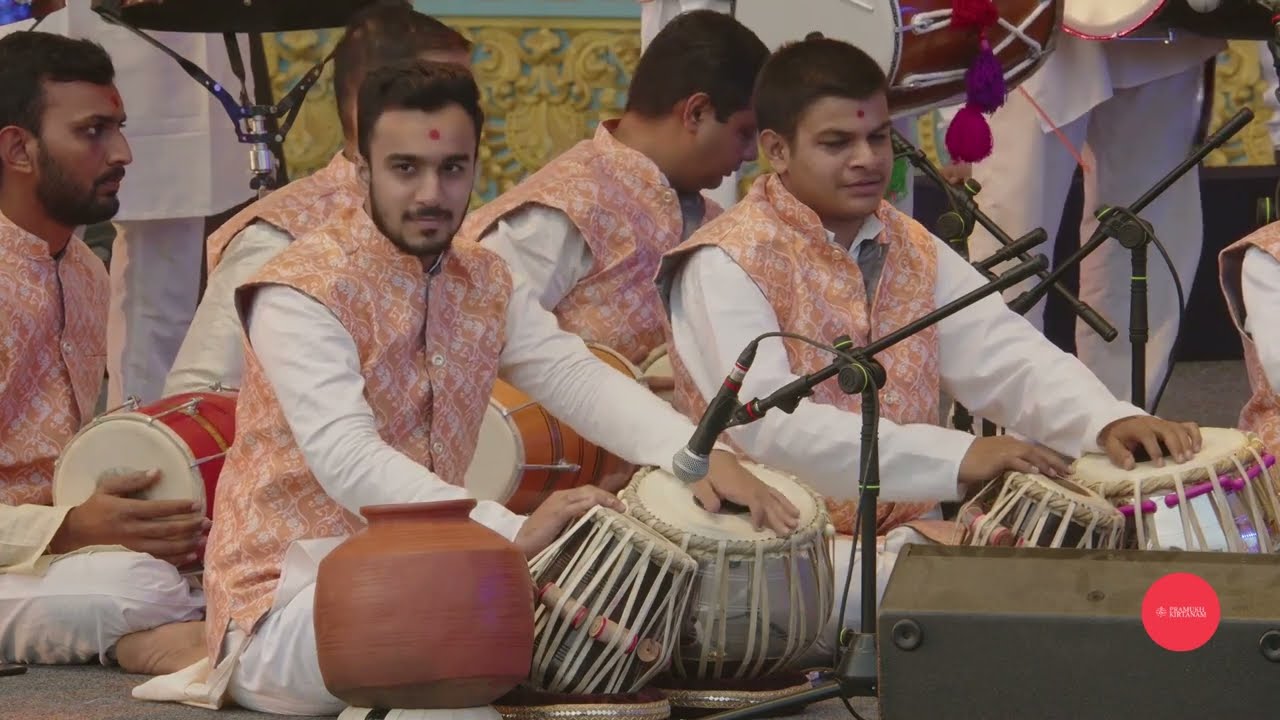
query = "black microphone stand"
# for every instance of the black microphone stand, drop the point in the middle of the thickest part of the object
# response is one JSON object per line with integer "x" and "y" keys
{"x": 857, "y": 673}
{"x": 966, "y": 204}
{"x": 1117, "y": 222}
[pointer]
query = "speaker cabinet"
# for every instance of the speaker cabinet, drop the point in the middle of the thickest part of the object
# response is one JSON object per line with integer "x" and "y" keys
{"x": 1039, "y": 634}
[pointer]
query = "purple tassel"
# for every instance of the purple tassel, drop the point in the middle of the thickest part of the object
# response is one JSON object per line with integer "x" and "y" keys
{"x": 985, "y": 80}
{"x": 969, "y": 137}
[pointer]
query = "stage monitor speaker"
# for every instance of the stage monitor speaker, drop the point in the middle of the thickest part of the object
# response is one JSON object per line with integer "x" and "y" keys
{"x": 1003, "y": 633}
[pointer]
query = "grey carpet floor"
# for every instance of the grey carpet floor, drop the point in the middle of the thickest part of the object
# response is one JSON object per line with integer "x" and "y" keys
{"x": 1208, "y": 393}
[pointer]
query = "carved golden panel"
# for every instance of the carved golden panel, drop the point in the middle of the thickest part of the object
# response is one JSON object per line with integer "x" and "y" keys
{"x": 546, "y": 84}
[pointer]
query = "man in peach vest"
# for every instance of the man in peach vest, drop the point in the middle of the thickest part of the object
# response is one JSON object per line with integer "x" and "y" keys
{"x": 589, "y": 228}
{"x": 212, "y": 351}
{"x": 1250, "y": 274}
{"x": 96, "y": 580}
{"x": 374, "y": 342}
{"x": 814, "y": 250}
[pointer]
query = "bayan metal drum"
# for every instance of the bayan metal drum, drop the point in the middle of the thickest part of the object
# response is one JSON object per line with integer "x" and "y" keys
{"x": 1112, "y": 19}
{"x": 759, "y": 601}
{"x": 1031, "y": 509}
{"x": 1223, "y": 499}
{"x": 524, "y": 453}
{"x": 923, "y": 58}
{"x": 611, "y": 594}
{"x": 184, "y": 436}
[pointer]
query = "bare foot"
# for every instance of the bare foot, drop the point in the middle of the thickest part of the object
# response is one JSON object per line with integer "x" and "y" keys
{"x": 162, "y": 650}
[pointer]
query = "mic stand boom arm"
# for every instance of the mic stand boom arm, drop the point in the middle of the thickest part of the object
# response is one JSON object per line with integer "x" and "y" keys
{"x": 856, "y": 675}
{"x": 965, "y": 200}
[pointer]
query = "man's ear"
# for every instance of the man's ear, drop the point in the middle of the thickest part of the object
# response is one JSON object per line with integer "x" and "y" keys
{"x": 363, "y": 171}
{"x": 694, "y": 110}
{"x": 776, "y": 150}
{"x": 17, "y": 150}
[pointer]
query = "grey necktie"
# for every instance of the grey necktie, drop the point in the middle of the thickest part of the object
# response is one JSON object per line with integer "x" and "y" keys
{"x": 871, "y": 262}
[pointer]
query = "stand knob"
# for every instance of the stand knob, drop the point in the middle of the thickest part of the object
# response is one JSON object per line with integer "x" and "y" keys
{"x": 907, "y": 635}
{"x": 1270, "y": 645}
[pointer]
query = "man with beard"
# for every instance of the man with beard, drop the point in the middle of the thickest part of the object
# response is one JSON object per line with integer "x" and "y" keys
{"x": 98, "y": 580}
{"x": 588, "y": 229}
{"x": 374, "y": 342}
{"x": 212, "y": 352}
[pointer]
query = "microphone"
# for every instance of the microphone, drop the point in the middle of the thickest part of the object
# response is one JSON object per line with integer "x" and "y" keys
{"x": 693, "y": 461}
{"x": 1013, "y": 249}
{"x": 787, "y": 397}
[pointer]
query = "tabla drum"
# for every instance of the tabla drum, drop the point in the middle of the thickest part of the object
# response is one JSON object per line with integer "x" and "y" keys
{"x": 1223, "y": 499}
{"x": 658, "y": 374}
{"x": 524, "y": 454}
{"x": 1114, "y": 19}
{"x": 759, "y": 601}
{"x": 1037, "y": 510}
{"x": 924, "y": 59}
{"x": 184, "y": 436}
{"x": 610, "y": 596}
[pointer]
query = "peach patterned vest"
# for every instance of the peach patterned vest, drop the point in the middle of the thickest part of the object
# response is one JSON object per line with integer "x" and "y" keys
{"x": 297, "y": 208}
{"x": 1261, "y": 414}
{"x": 52, "y": 360}
{"x": 429, "y": 350}
{"x": 628, "y": 216}
{"x": 816, "y": 290}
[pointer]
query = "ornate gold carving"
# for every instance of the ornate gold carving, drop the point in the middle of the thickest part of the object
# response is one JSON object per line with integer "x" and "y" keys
{"x": 1239, "y": 83}
{"x": 546, "y": 83}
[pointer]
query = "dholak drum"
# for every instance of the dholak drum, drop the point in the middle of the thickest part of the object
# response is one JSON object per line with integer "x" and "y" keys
{"x": 1111, "y": 19}
{"x": 658, "y": 374}
{"x": 1223, "y": 499}
{"x": 184, "y": 436}
{"x": 524, "y": 453}
{"x": 610, "y": 596}
{"x": 759, "y": 601}
{"x": 924, "y": 59}
{"x": 1032, "y": 509}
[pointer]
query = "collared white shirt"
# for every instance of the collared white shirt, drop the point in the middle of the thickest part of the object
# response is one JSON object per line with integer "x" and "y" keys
{"x": 1260, "y": 286}
{"x": 314, "y": 368}
{"x": 991, "y": 360}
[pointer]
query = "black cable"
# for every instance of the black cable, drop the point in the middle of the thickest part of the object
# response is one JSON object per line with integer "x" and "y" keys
{"x": 857, "y": 523}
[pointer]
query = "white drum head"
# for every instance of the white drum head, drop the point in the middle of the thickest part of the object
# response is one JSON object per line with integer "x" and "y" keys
{"x": 127, "y": 442}
{"x": 660, "y": 367}
{"x": 1097, "y": 470}
{"x": 495, "y": 467}
{"x": 869, "y": 25}
{"x": 1106, "y": 19}
{"x": 671, "y": 501}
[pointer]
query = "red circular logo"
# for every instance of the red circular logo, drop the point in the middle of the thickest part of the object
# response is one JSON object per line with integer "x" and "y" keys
{"x": 1181, "y": 612}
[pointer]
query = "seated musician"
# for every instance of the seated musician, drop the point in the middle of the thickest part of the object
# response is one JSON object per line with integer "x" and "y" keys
{"x": 806, "y": 252}
{"x": 1250, "y": 275}
{"x": 588, "y": 229}
{"x": 383, "y": 33}
{"x": 358, "y": 332}
{"x": 97, "y": 580}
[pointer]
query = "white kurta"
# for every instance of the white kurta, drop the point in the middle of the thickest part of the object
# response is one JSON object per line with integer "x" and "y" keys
{"x": 302, "y": 347}
{"x": 1132, "y": 106}
{"x": 187, "y": 164}
{"x": 990, "y": 359}
{"x": 1260, "y": 288}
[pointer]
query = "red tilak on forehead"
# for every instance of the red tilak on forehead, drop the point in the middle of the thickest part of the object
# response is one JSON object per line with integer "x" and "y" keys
{"x": 115, "y": 100}
{"x": 434, "y": 134}
{"x": 861, "y": 113}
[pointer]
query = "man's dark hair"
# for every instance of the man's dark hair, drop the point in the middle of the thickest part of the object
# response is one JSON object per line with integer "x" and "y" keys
{"x": 801, "y": 73}
{"x": 29, "y": 59}
{"x": 381, "y": 34}
{"x": 701, "y": 51}
{"x": 415, "y": 85}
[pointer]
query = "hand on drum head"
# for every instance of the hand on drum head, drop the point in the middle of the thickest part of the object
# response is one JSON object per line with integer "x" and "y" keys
{"x": 171, "y": 530}
{"x": 991, "y": 457}
{"x": 728, "y": 481}
{"x": 557, "y": 511}
{"x": 1122, "y": 438}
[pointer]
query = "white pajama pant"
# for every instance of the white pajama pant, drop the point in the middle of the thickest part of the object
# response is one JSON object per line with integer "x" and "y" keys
{"x": 1133, "y": 139}
{"x": 155, "y": 283}
{"x": 77, "y": 610}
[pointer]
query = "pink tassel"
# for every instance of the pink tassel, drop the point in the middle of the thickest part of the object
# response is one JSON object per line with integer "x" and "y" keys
{"x": 973, "y": 14}
{"x": 969, "y": 137}
{"x": 985, "y": 80}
